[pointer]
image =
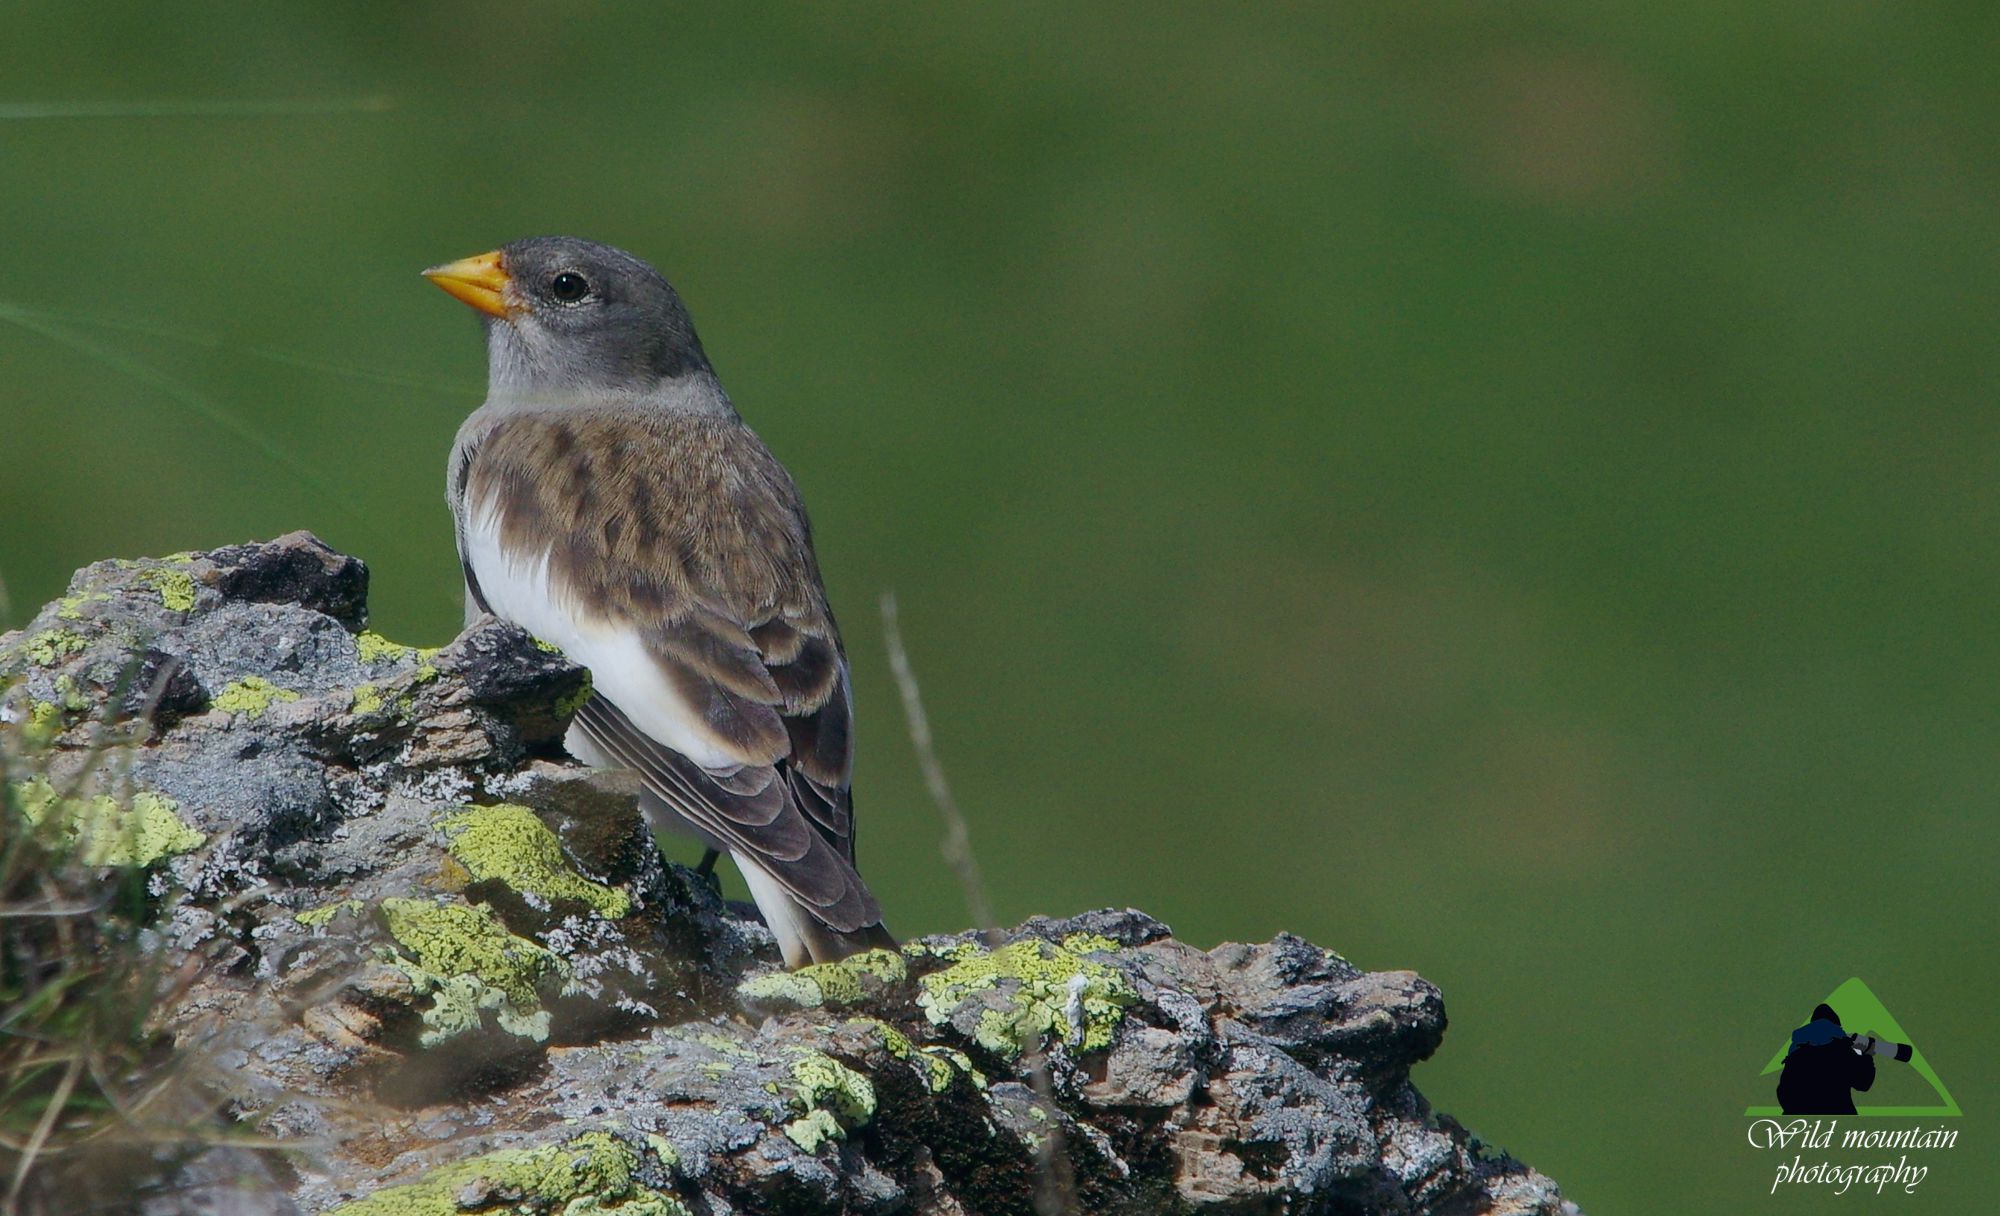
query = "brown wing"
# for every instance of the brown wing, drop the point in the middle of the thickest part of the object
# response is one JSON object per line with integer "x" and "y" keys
{"x": 755, "y": 811}
{"x": 685, "y": 534}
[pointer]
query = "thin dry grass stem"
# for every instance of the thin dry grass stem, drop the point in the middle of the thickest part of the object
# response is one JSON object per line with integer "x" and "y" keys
{"x": 39, "y": 912}
{"x": 98, "y": 1105}
{"x": 222, "y": 107}
{"x": 189, "y": 337}
{"x": 957, "y": 843}
{"x": 58, "y": 1103}
{"x": 183, "y": 394}
{"x": 1055, "y": 1183}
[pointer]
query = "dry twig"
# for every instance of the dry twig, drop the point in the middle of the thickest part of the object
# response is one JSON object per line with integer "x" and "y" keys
{"x": 1055, "y": 1185}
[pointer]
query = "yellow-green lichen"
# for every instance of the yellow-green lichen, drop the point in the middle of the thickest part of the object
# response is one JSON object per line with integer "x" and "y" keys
{"x": 320, "y": 917}
{"x": 894, "y": 1041}
{"x": 69, "y": 696}
{"x": 813, "y": 1129}
{"x": 1042, "y": 994}
{"x": 45, "y": 722}
{"x": 508, "y": 844}
{"x": 820, "y": 1082}
{"x": 831, "y": 1098}
{"x": 567, "y": 706}
{"x": 593, "y": 1173}
{"x": 372, "y": 647}
{"x": 935, "y": 1068}
{"x": 951, "y": 952}
{"x": 783, "y": 988}
{"x": 175, "y": 588}
{"x": 944, "y": 1059}
{"x": 664, "y": 1149}
{"x": 832, "y": 985}
{"x": 547, "y": 647}
{"x": 251, "y": 696}
{"x": 104, "y": 833}
{"x": 463, "y": 957}
{"x": 367, "y": 700}
{"x": 937, "y": 1073}
{"x": 70, "y": 607}
{"x": 460, "y": 1003}
{"x": 52, "y": 646}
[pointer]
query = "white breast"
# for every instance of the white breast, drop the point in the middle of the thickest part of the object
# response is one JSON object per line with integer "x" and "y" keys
{"x": 518, "y": 588}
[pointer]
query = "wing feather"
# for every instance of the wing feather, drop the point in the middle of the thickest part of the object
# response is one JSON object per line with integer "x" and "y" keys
{"x": 698, "y": 608}
{"x": 809, "y": 867}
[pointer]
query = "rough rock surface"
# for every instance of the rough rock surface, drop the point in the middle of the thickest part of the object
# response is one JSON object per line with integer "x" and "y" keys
{"x": 451, "y": 969}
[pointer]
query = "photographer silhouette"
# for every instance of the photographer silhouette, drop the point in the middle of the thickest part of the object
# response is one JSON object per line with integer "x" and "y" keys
{"x": 1823, "y": 1067}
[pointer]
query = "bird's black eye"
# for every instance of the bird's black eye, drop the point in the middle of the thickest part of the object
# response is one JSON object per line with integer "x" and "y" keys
{"x": 569, "y": 287}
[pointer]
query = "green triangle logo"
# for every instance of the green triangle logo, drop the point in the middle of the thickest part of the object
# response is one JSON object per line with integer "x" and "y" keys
{"x": 1861, "y": 1010}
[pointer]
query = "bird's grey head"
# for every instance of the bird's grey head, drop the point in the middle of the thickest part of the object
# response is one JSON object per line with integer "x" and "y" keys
{"x": 572, "y": 320}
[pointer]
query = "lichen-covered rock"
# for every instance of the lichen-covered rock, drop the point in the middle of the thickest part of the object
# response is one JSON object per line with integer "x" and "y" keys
{"x": 1017, "y": 997}
{"x": 452, "y": 968}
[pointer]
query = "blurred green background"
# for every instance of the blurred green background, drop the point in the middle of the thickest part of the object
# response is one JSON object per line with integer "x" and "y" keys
{"x": 1504, "y": 491}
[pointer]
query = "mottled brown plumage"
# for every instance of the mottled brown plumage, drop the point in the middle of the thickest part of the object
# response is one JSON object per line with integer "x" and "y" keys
{"x": 707, "y": 556}
{"x": 641, "y": 520}
{"x": 654, "y": 511}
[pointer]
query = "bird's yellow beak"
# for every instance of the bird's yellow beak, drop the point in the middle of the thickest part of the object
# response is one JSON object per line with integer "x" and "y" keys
{"x": 479, "y": 280}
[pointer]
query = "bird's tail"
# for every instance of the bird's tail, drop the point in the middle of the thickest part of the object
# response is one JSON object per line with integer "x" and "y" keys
{"x": 803, "y": 937}
{"x": 820, "y": 944}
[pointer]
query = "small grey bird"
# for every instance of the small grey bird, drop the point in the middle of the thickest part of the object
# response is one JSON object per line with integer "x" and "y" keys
{"x": 609, "y": 499}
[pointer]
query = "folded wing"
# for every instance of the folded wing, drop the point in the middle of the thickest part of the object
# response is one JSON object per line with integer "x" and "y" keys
{"x": 689, "y": 589}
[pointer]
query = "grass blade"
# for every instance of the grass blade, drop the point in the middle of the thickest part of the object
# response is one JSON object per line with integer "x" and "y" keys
{"x": 183, "y": 394}
{"x": 217, "y": 108}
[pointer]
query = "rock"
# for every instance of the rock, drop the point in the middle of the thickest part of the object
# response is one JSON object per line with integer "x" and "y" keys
{"x": 450, "y": 966}
{"x": 295, "y": 569}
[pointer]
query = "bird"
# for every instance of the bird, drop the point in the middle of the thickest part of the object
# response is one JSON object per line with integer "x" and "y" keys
{"x": 608, "y": 498}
